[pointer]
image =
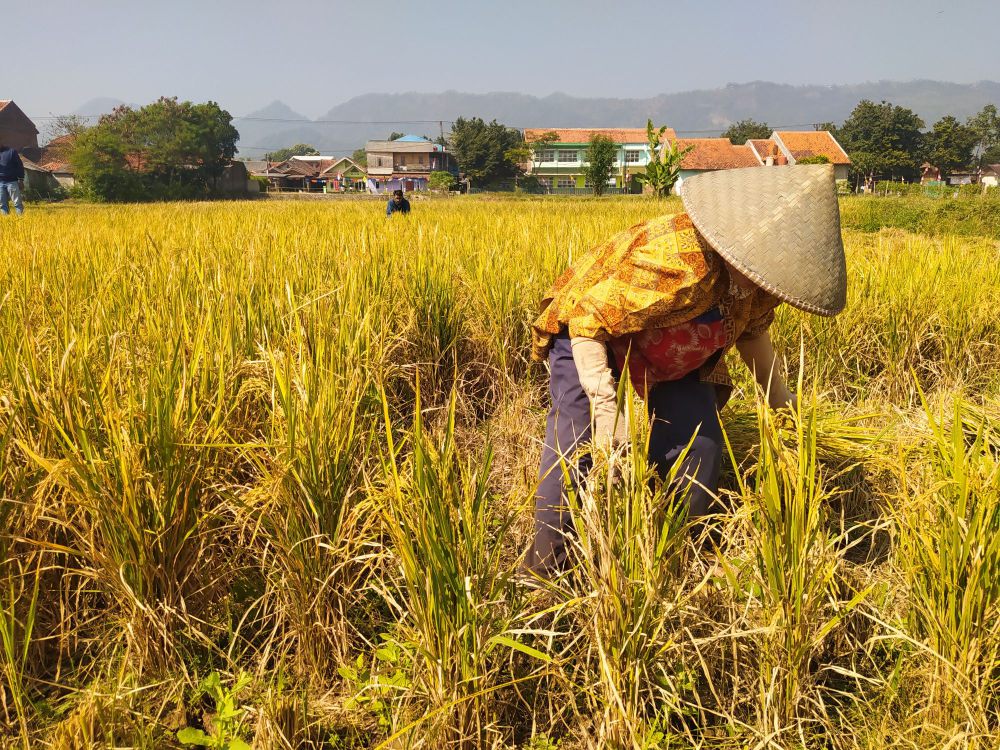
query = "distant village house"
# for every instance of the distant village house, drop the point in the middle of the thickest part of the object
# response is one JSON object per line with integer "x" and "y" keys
{"x": 311, "y": 174}
{"x": 797, "y": 145}
{"x": 559, "y": 166}
{"x": 56, "y": 158}
{"x": 405, "y": 163}
{"x": 18, "y": 131}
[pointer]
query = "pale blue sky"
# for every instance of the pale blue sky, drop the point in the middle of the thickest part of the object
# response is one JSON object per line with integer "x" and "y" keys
{"x": 312, "y": 55}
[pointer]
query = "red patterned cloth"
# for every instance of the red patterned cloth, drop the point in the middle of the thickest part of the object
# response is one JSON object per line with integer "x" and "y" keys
{"x": 663, "y": 354}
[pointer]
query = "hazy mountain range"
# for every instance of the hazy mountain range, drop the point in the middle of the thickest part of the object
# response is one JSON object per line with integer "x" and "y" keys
{"x": 706, "y": 112}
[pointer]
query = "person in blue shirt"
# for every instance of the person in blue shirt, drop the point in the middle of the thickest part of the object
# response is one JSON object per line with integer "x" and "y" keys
{"x": 11, "y": 180}
{"x": 398, "y": 204}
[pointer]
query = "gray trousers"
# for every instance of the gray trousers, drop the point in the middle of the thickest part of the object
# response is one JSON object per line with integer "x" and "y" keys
{"x": 10, "y": 191}
{"x": 677, "y": 409}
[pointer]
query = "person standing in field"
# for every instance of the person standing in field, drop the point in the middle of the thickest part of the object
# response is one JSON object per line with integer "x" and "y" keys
{"x": 398, "y": 204}
{"x": 666, "y": 299}
{"x": 11, "y": 180}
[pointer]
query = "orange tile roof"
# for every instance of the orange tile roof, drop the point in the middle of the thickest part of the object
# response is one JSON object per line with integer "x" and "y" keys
{"x": 56, "y": 150}
{"x": 67, "y": 139}
{"x": 59, "y": 166}
{"x": 582, "y": 135}
{"x": 805, "y": 143}
{"x": 716, "y": 153}
{"x": 764, "y": 148}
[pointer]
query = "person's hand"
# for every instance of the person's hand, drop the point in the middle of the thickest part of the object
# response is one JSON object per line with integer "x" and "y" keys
{"x": 20, "y": 184}
{"x": 611, "y": 454}
{"x": 610, "y": 442}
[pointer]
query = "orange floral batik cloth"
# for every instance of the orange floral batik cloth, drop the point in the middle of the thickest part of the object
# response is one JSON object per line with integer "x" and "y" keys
{"x": 660, "y": 274}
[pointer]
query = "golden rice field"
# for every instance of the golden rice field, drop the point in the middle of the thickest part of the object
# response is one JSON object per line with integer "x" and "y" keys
{"x": 266, "y": 472}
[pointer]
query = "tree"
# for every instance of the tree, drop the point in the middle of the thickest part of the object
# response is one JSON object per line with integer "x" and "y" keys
{"x": 664, "y": 167}
{"x": 986, "y": 126}
{"x": 66, "y": 125}
{"x": 600, "y": 161}
{"x": 62, "y": 133}
{"x": 440, "y": 180}
{"x": 742, "y": 131}
{"x": 517, "y": 156}
{"x": 167, "y": 149}
{"x": 395, "y": 136}
{"x": 99, "y": 159}
{"x": 950, "y": 144}
{"x": 360, "y": 157}
{"x": 481, "y": 149}
{"x": 542, "y": 143}
{"x": 882, "y": 140}
{"x": 991, "y": 155}
{"x": 817, "y": 159}
{"x": 299, "y": 149}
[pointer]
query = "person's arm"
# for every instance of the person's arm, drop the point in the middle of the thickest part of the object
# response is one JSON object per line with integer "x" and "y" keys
{"x": 388, "y": 208}
{"x": 19, "y": 166}
{"x": 758, "y": 354}
{"x": 591, "y": 359}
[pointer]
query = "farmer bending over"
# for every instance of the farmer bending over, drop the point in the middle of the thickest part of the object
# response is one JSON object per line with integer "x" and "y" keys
{"x": 398, "y": 204}
{"x": 668, "y": 298}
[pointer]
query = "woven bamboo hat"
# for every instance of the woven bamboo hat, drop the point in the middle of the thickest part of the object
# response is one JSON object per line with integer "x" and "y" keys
{"x": 779, "y": 227}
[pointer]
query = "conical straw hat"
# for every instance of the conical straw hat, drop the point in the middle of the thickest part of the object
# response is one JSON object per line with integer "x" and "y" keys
{"x": 779, "y": 227}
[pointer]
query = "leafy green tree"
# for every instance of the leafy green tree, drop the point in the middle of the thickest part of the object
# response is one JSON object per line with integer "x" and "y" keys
{"x": 600, "y": 162}
{"x": 103, "y": 173}
{"x": 986, "y": 125}
{"x": 665, "y": 159}
{"x": 440, "y": 180}
{"x": 817, "y": 159}
{"x": 167, "y": 149}
{"x": 518, "y": 156}
{"x": 537, "y": 145}
{"x": 742, "y": 131}
{"x": 360, "y": 157}
{"x": 395, "y": 135}
{"x": 950, "y": 144}
{"x": 882, "y": 140}
{"x": 481, "y": 149}
{"x": 299, "y": 149}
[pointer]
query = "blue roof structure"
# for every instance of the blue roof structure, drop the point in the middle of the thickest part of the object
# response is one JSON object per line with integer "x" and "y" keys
{"x": 412, "y": 139}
